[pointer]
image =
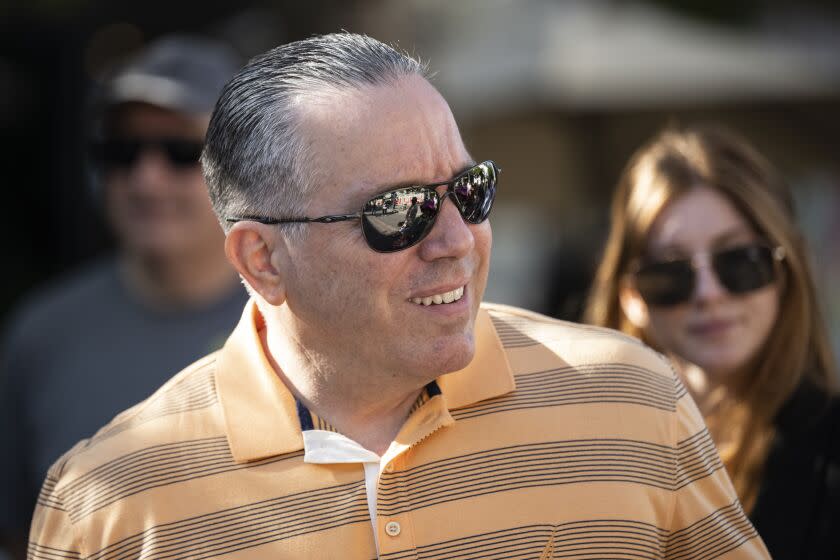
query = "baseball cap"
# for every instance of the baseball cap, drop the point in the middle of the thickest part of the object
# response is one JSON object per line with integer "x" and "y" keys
{"x": 182, "y": 73}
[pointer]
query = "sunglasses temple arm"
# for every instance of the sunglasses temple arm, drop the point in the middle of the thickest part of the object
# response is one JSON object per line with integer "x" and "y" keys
{"x": 275, "y": 221}
{"x": 331, "y": 219}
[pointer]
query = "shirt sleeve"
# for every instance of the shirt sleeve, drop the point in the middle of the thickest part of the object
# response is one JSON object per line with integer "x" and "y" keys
{"x": 707, "y": 520}
{"x": 52, "y": 535}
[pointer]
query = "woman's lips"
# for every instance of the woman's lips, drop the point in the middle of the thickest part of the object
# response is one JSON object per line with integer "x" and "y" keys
{"x": 714, "y": 327}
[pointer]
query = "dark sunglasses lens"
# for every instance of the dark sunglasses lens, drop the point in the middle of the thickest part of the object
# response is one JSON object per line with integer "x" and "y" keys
{"x": 475, "y": 192}
{"x": 117, "y": 153}
{"x": 399, "y": 219}
{"x": 745, "y": 269}
{"x": 665, "y": 283}
{"x": 123, "y": 153}
{"x": 182, "y": 153}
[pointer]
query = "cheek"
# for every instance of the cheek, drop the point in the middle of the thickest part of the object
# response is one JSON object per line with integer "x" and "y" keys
{"x": 113, "y": 183}
{"x": 483, "y": 236}
{"x": 762, "y": 312}
{"x": 201, "y": 210}
{"x": 191, "y": 189}
{"x": 116, "y": 200}
{"x": 484, "y": 240}
{"x": 666, "y": 324}
{"x": 348, "y": 274}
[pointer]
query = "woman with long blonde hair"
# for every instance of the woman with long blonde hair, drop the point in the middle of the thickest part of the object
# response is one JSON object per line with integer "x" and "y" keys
{"x": 705, "y": 263}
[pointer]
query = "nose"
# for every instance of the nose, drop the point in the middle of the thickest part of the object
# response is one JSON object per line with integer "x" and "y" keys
{"x": 707, "y": 287}
{"x": 450, "y": 237}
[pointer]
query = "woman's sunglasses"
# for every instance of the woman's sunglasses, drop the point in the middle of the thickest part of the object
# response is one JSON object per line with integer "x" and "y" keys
{"x": 400, "y": 218}
{"x": 739, "y": 270}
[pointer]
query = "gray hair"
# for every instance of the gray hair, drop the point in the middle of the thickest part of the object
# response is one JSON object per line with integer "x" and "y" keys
{"x": 255, "y": 162}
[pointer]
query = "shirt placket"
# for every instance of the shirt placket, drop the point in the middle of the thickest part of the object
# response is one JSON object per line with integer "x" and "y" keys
{"x": 395, "y": 523}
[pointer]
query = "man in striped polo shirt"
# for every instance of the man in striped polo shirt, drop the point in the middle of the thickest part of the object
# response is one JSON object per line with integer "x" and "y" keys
{"x": 368, "y": 405}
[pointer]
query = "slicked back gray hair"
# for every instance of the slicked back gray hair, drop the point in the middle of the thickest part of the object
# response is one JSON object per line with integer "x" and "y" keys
{"x": 254, "y": 161}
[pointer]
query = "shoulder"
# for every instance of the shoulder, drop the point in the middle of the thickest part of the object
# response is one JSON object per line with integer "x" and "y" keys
{"x": 574, "y": 343}
{"x": 811, "y": 412}
{"x": 596, "y": 384}
{"x": 71, "y": 293}
{"x": 193, "y": 388}
{"x": 84, "y": 281}
{"x": 808, "y": 428}
{"x": 591, "y": 370}
{"x": 832, "y": 421}
{"x": 180, "y": 418}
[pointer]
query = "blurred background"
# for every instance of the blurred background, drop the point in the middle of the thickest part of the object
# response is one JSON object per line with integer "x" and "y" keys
{"x": 559, "y": 93}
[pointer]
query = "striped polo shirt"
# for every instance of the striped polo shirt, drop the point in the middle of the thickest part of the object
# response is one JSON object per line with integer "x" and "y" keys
{"x": 557, "y": 441}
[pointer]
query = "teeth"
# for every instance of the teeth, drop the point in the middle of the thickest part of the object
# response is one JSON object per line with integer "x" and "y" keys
{"x": 437, "y": 299}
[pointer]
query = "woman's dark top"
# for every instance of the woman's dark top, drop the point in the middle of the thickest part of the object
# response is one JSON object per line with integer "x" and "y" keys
{"x": 797, "y": 512}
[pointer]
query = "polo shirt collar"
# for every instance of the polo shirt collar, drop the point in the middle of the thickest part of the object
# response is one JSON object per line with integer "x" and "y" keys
{"x": 261, "y": 415}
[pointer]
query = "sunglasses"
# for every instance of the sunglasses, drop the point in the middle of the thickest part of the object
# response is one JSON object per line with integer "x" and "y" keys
{"x": 400, "y": 218}
{"x": 123, "y": 153}
{"x": 740, "y": 270}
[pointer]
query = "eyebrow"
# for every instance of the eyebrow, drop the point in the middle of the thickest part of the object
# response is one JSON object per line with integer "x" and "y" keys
{"x": 733, "y": 233}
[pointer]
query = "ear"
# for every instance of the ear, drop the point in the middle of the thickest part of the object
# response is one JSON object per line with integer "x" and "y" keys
{"x": 256, "y": 252}
{"x": 634, "y": 307}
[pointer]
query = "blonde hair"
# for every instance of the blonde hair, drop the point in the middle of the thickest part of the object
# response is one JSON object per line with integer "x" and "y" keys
{"x": 797, "y": 347}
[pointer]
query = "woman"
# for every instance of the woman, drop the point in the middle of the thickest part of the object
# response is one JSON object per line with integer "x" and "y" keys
{"x": 704, "y": 262}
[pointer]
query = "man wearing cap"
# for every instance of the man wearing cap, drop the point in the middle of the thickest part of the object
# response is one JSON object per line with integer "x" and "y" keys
{"x": 368, "y": 404}
{"x": 107, "y": 336}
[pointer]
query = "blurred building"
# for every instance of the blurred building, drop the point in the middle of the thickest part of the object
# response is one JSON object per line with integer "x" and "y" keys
{"x": 558, "y": 92}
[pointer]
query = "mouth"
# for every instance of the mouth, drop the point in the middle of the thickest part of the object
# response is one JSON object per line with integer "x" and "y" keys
{"x": 712, "y": 328}
{"x": 440, "y": 299}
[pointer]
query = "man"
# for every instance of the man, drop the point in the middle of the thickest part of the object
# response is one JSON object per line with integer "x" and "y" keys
{"x": 411, "y": 214}
{"x": 368, "y": 405}
{"x": 107, "y": 336}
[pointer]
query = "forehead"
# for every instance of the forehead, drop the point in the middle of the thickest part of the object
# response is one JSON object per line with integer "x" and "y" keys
{"x": 149, "y": 120}
{"x": 367, "y": 140}
{"x": 697, "y": 220}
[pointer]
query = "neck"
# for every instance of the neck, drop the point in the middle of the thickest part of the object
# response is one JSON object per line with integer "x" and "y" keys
{"x": 178, "y": 280}
{"x": 371, "y": 414}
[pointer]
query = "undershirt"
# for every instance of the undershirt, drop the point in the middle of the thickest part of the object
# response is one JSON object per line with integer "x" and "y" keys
{"x": 325, "y": 447}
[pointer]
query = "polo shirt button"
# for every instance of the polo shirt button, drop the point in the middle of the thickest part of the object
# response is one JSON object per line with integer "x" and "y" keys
{"x": 389, "y": 468}
{"x": 392, "y": 528}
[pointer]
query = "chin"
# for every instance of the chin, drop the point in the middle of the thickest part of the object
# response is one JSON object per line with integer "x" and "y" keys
{"x": 720, "y": 365}
{"x": 453, "y": 353}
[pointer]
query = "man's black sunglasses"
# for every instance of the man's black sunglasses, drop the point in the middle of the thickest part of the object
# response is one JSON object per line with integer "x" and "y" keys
{"x": 402, "y": 217}
{"x": 124, "y": 152}
{"x": 739, "y": 269}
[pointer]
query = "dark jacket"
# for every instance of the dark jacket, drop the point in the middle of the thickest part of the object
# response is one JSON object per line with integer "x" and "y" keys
{"x": 798, "y": 508}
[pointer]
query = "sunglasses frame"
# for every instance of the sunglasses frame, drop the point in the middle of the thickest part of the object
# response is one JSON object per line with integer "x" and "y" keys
{"x": 331, "y": 219}
{"x": 777, "y": 254}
